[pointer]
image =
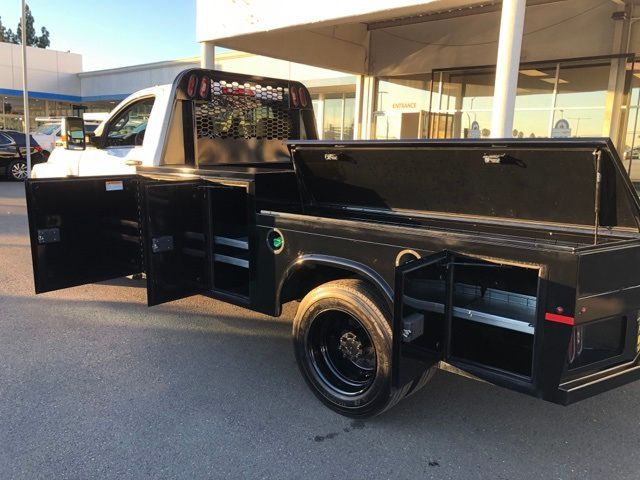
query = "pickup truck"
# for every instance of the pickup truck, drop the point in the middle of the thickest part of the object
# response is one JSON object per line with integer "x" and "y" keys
{"x": 509, "y": 261}
{"x": 132, "y": 134}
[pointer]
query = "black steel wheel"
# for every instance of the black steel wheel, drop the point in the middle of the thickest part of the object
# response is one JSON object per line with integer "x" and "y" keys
{"x": 343, "y": 341}
{"x": 341, "y": 352}
{"x": 17, "y": 170}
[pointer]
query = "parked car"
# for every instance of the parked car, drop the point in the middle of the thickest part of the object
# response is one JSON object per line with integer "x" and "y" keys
{"x": 48, "y": 134}
{"x": 13, "y": 159}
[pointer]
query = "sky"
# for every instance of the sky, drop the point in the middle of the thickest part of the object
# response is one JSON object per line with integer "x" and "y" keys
{"x": 113, "y": 33}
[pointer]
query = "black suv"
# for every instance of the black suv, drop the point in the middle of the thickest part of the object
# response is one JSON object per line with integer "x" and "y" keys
{"x": 13, "y": 159}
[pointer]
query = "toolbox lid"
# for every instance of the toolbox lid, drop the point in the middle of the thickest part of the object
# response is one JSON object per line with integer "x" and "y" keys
{"x": 535, "y": 180}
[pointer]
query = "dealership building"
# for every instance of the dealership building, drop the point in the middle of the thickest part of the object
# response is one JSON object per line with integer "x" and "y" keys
{"x": 394, "y": 69}
{"x": 59, "y": 87}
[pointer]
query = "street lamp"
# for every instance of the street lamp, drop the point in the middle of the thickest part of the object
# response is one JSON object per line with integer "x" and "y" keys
{"x": 27, "y": 136}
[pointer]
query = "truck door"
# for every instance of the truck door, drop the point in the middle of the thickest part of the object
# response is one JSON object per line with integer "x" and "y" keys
{"x": 477, "y": 315}
{"x": 174, "y": 226}
{"x": 83, "y": 230}
{"x": 122, "y": 145}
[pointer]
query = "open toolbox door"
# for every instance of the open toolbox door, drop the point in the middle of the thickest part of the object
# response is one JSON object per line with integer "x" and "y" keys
{"x": 419, "y": 327}
{"x": 83, "y": 230}
{"x": 476, "y": 315}
{"x": 174, "y": 226}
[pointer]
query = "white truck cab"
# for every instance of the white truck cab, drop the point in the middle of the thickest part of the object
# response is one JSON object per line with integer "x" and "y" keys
{"x": 132, "y": 135}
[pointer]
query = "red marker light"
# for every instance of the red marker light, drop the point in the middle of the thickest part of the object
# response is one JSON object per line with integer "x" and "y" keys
{"x": 294, "y": 97}
{"x": 303, "y": 96}
{"x": 204, "y": 87}
{"x": 191, "y": 86}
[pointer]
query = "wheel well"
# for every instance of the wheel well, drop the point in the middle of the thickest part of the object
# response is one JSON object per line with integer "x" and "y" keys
{"x": 310, "y": 275}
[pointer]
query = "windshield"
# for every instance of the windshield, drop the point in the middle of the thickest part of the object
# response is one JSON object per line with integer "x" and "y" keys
{"x": 48, "y": 128}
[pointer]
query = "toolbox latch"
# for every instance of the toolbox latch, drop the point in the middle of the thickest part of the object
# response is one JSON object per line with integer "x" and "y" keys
{"x": 48, "y": 235}
{"x": 162, "y": 244}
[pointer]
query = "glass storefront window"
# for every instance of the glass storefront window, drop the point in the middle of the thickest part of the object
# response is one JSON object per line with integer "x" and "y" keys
{"x": 536, "y": 88}
{"x": 583, "y": 86}
{"x": 317, "y": 110}
{"x": 332, "y": 124}
{"x": 349, "y": 117}
{"x": 632, "y": 132}
{"x": 12, "y": 111}
{"x": 462, "y": 101}
{"x": 334, "y": 114}
{"x": 531, "y": 123}
{"x": 402, "y": 107}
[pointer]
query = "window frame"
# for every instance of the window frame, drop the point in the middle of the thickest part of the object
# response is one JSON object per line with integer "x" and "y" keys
{"x": 104, "y": 142}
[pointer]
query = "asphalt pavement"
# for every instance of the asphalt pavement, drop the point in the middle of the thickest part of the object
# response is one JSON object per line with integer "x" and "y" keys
{"x": 93, "y": 384}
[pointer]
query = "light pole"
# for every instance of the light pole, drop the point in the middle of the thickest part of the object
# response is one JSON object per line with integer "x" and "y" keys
{"x": 27, "y": 136}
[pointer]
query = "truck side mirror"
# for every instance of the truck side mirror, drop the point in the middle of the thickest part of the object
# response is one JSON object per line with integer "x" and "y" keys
{"x": 73, "y": 136}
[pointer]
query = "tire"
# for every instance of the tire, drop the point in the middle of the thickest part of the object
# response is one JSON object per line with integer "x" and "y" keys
{"x": 343, "y": 346}
{"x": 17, "y": 170}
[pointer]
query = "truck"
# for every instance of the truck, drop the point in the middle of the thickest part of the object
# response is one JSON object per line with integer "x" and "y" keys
{"x": 137, "y": 131}
{"x": 512, "y": 262}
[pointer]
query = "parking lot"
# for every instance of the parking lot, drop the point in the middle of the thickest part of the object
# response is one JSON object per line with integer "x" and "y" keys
{"x": 93, "y": 384}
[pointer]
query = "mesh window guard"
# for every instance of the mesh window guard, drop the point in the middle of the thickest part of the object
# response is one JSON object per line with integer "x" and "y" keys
{"x": 245, "y": 111}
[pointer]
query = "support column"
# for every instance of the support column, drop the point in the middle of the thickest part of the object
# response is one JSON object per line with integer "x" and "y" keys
{"x": 208, "y": 55}
{"x": 508, "y": 64}
{"x": 320, "y": 116}
{"x": 615, "y": 119}
{"x": 365, "y": 106}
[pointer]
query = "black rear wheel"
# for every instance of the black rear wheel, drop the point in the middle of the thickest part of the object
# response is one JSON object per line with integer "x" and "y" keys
{"x": 342, "y": 341}
{"x": 341, "y": 352}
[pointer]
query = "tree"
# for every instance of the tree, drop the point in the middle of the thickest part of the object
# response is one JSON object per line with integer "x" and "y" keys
{"x": 6, "y": 35}
{"x": 11, "y": 37}
{"x": 31, "y": 37}
{"x": 43, "y": 39}
{"x": 32, "y": 40}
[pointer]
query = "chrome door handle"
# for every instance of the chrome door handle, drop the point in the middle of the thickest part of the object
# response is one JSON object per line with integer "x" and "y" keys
{"x": 133, "y": 163}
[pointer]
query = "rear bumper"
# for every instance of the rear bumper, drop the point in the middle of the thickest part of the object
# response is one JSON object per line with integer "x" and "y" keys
{"x": 590, "y": 385}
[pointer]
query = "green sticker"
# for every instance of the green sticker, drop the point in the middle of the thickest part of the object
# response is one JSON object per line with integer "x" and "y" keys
{"x": 277, "y": 242}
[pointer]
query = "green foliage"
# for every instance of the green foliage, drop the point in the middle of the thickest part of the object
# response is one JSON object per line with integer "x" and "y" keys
{"x": 6, "y": 34}
{"x": 43, "y": 39}
{"x": 32, "y": 40}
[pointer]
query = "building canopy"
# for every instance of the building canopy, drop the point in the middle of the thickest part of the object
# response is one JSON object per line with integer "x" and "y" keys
{"x": 396, "y": 37}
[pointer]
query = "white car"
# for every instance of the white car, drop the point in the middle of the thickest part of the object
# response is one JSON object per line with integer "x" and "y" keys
{"x": 48, "y": 134}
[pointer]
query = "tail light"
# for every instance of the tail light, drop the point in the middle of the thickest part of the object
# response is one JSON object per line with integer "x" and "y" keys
{"x": 294, "y": 97}
{"x": 37, "y": 148}
{"x": 303, "y": 97}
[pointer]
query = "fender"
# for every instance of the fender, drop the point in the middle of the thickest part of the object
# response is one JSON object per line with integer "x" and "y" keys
{"x": 361, "y": 269}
